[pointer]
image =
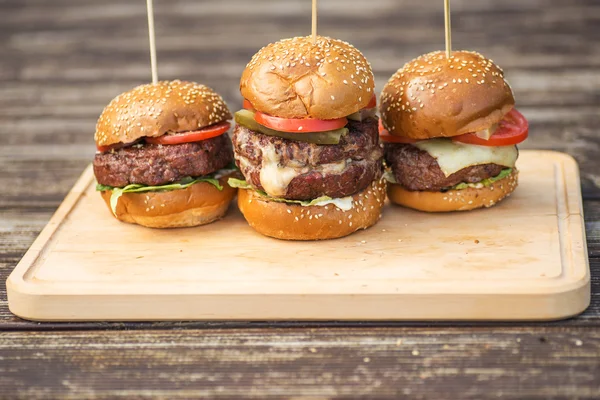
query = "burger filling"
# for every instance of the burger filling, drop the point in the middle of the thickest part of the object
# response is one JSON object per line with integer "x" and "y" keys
{"x": 145, "y": 167}
{"x": 475, "y": 159}
{"x": 309, "y": 168}
{"x": 455, "y": 166}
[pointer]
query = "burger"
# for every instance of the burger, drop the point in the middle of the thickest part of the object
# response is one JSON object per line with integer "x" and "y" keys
{"x": 163, "y": 155}
{"x": 450, "y": 132}
{"x": 307, "y": 141}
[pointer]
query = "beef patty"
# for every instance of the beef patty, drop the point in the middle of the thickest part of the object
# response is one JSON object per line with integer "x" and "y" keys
{"x": 416, "y": 169}
{"x": 305, "y": 171}
{"x": 150, "y": 164}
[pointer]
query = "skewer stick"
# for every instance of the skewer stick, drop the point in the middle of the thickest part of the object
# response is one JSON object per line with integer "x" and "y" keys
{"x": 153, "y": 66}
{"x": 314, "y": 21}
{"x": 448, "y": 29}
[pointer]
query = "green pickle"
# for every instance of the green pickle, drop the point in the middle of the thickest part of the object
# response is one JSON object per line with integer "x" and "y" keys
{"x": 246, "y": 118}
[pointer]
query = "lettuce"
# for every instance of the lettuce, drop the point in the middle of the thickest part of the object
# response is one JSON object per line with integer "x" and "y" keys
{"x": 137, "y": 188}
{"x": 389, "y": 176}
{"x": 484, "y": 183}
{"x": 319, "y": 201}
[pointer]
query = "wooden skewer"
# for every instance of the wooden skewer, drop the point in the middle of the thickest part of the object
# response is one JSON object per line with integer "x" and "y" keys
{"x": 448, "y": 29}
{"x": 153, "y": 66}
{"x": 314, "y": 21}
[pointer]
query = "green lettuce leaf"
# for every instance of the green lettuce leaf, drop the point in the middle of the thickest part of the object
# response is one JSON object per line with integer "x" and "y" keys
{"x": 241, "y": 184}
{"x": 137, "y": 188}
{"x": 486, "y": 182}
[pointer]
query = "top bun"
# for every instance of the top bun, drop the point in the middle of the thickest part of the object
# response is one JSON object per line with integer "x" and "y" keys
{"x": 435, "y": 96}
{"x": 296, "y": 78}
{"x": 155, "y": 109}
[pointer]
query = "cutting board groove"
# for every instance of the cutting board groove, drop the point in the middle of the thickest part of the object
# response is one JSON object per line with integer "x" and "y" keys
{"x": 524, "y": 259}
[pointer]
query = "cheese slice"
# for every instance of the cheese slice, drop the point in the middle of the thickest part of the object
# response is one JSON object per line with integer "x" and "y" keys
{"x": 454, "y": 156}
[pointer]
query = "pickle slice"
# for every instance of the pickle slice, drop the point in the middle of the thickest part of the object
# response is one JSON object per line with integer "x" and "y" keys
{"x": 246, "y": 118}
{"x": 363, "y": 114}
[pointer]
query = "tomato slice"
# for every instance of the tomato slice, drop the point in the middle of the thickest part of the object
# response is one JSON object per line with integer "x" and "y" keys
{"x": 512, "y": 129}
{"x": 247, "y": 105}
{"x": 386, "y": 137}
{"x": 373, "y": 102}
{"x": 192, "y": 136}
{"x": 104, "y": 149}
{"x": 115, "y": 146}
{"x": 299, "y": 125}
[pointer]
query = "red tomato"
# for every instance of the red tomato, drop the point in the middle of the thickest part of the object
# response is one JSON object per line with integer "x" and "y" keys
{"x": 373, "y": 102}
{"x": 192, "y": 136}
{"x": 115, "y": 146}
{"x": 299, "y": 125}
{"x": 385, "y": 136}
{"x": 247, "y": 105}
{"x": 513, "y": 129}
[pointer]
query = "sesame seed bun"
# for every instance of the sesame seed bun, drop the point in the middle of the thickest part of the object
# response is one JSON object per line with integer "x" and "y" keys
{"x": 296, "y": 222}
{"x": 296, "y": 78}
{"x": 454, "y": 200}
{"x": 433, "y": 96}
{"x": 198, "y": 204}
{"x": 155, "y": 109}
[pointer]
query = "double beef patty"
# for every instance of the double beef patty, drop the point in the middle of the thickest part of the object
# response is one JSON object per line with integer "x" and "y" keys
{"x": 150, "y": 164}
{"x": 336, "y": 170}
{"x": 416, "y": 169}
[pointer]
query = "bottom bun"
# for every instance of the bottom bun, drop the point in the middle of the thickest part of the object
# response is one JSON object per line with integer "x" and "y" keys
{"x": 295, "y": 222}
{"x": 198, "y": 204}
{"x": 454, "y": 200}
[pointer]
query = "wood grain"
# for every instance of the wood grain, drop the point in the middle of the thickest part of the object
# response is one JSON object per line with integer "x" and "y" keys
{"x": 62, "y": 61}
{"x": 512, "y": 363}
{"x": 392, "y": 271}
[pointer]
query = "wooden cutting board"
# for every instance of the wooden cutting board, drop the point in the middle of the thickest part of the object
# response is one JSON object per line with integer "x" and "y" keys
{"x": 524, "y": 259}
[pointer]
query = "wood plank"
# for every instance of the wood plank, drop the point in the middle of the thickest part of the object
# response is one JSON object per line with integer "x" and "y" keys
{"x": 25, "y": 234}
{"x": 486, "y": 362}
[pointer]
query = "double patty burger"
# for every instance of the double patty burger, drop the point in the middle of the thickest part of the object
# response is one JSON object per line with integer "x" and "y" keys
{"x": 450, "y": 131}
{"x": 163, "y": 153}
{"x": 307, "y": 141}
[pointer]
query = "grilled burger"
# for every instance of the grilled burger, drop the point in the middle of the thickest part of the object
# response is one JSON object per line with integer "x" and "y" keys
{"x": 164, "y": 156}
{"x": 307, "y": 141}
{"x": 450, "y": 131}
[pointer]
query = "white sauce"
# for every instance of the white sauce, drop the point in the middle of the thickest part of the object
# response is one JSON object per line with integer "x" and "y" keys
{"x": 343, "y": 203}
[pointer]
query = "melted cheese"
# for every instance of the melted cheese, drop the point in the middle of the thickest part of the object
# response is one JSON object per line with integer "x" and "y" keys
{"x": 343, "y": 203}
{"x": 273, "y": 177}
{"x": 454, "y": 156}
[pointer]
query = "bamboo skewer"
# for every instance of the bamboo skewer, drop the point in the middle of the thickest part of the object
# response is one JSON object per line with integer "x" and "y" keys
{"x": 314, "y": 21}
{"x": 151, "y": 36}
{"x": 448, "y": 28}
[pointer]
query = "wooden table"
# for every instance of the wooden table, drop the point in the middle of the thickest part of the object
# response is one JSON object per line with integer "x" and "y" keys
{"x": 62, "y": 61}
